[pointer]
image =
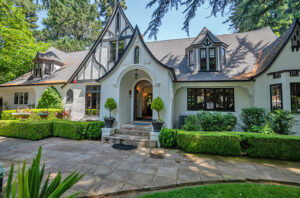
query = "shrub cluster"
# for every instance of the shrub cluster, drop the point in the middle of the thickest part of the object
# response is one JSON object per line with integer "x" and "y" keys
{"x": 255, "y": 145}
{"x": 278, "y": 121}
{"x": 7, "y": 114}
{"x": 206, "y": 121}
{"x": 38, "y": 130}
{"x": 50, "y": 99}
{"x": 26, "y": 130}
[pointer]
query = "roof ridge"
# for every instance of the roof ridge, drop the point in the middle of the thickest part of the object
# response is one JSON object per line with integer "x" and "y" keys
{"x": 171, "y": 40}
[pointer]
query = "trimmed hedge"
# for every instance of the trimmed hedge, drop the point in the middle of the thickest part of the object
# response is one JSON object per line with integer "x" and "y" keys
{"x": 272, "y": 146}
{"x": 254, "y": 145}
{"x": 209, "y": 143}
{"x": 168, "y": 138}
{"x": 77, "y": 130}
{"x": 38, "y": 130}
{"x": 7, "y": 114}
{"x": 26, "y": 130}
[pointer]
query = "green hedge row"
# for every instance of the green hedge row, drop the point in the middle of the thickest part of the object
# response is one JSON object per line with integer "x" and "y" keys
{"x": 38, "y": 130}
{"x": 25, "y": 130}
{"x": 7, "y": 114}
{"x": 234, "y": 144}
{"x": 77, "y": 130}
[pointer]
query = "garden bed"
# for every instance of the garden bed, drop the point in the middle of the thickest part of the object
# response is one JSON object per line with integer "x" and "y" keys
{"x": 34, "y": 130}
{"x": 233, "y": 144}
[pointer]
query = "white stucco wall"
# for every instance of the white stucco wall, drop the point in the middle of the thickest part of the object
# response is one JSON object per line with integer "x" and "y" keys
{"x": 287, "y": 60}
{"x": 243, "y": 97}
{"x": 118, "y": 83}
{"x": 8, "y": 95}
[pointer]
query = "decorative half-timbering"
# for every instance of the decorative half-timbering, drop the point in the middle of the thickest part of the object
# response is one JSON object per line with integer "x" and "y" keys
{"x": 295, "y": 38}
{"x": 108, "y": 49}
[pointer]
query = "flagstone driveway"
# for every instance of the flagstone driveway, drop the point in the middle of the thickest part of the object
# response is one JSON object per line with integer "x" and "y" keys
{"x": 113, "y": 171}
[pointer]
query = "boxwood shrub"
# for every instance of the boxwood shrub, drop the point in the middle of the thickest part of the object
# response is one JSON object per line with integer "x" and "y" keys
{"x": 256, "y": 145}
{"x": 7, "y": 114}
{"x": 34, "y": 130}
{"x": 209, "y": 143}
{"x": 272, "y": 146}
{"x": 168, "y": 138}
{"x": 26, "y": 129}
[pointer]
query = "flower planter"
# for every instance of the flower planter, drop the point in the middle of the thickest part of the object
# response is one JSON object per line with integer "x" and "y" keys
{"x": 109, "y": 122}
{"x": 59, "y": 116}
{"x": 24, "y": 116}
{"x": 157, "y": 126}
{"x": 43, "y": 115}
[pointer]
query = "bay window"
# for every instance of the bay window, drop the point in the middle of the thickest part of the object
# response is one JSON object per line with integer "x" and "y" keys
{"x": 210, "y": 99}
{"x": 212, "y": 59}
{"x": 276, "y": 97}
{"x": 203, "y": 60}
{"x": 191, "y": 58}
{"x": 295, "y": 97}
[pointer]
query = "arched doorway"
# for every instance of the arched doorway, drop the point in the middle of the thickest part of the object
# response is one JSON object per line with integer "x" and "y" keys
{"x": 143, "y": 94}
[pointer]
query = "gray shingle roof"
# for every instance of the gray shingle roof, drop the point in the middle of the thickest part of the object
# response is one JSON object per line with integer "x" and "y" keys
{"x": 71, "y": 62}
{"x": 241, "y": 55}
{"x": 202, "y": 35}
{"x": 270, "y": 53}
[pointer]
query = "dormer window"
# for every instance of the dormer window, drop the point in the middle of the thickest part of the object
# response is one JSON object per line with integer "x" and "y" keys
{"x": 191, "y": 58}
{"x": 212, "y": 59}
{"x": 203, "y": 66}
{"x": 37, "y": 70}
{"x": 48, "y": 68}
{"x": 223, "y": 56}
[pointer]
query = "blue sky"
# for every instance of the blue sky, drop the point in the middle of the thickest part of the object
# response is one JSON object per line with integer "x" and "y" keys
{"x": 173, "y": 20}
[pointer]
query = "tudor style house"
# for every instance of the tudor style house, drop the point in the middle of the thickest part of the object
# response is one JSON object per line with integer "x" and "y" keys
{"x": 223, "y": 73}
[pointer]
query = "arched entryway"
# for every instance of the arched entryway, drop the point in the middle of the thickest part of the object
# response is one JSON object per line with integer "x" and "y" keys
{"x": 135, "y": 88}
{"x": 143, "y": 94}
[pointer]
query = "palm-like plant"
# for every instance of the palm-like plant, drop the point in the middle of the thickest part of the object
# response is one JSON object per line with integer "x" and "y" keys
{"x": 30, "y": 182}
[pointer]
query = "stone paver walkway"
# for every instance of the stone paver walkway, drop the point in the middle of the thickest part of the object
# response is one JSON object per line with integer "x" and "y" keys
{"x": 112, "y": 171}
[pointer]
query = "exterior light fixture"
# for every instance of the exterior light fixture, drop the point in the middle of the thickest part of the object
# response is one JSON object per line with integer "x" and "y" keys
{"x": 136, "y": 75}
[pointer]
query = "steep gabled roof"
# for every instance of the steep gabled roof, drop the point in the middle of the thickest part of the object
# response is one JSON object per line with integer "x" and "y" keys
{"x": 270, "y": 53}
{"x": 117, "y": 8}
{"x": 140, "y": 36}
{"x": 202, "y": 36}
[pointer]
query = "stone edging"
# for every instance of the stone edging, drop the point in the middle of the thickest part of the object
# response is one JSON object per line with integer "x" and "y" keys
{"x": 191, "y": 184}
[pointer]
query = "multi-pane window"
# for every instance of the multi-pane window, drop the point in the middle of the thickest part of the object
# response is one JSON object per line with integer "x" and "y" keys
{"x": 212, "y": 59}
{"x": 295, "y": 97}
{"x": 203, "y": 60}
{"x": 223, "y": 56}
{"x": 276, "y": 97}
{"x": 191, "y": 58}
{"x": 38, "y": 69}
{"x": 21, "y": 98}
{"x": 118, "y": 25}
{"x": 294, "y": 73}
{"x": 210, "y": 99}
{"x": 92, "y": 99}
{"x": 113, "y": 45}
{"x": 48, "y": 68}
{"x": 137, "y": 55}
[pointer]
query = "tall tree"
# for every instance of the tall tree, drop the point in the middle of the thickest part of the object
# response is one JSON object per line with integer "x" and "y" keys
{"x": 245, "y": 14}
{"x": 18, "y": 47}
{"x": 254, "y": 14}
{"x": 73, "y": 25}
{"x": 30, "y": 8}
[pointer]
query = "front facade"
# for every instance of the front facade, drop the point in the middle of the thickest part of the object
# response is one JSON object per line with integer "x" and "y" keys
{"x": 222, "y": 73}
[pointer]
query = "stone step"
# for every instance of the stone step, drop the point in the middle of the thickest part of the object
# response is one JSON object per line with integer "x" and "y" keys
{"x": 130, "y": 140}
{"x": 133, "y": 132}
{"x": 146, "y": 128}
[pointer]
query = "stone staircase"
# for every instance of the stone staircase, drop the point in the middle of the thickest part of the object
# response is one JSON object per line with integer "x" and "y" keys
{"x": 136, "y": 134}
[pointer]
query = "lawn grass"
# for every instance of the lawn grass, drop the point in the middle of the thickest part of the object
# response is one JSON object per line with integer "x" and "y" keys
{"x": 244, "y": 190}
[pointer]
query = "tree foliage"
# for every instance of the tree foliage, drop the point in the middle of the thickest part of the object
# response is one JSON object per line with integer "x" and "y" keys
{"x": 18, "y": 47}
{"x": 50, "y": 99}
{"x": 245, "y": 14}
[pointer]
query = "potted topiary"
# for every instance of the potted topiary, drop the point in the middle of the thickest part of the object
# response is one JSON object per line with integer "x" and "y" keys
{"x": 110, "y": 105}
{"x": 2, "y": 173}
{"x": 157, "y": 105}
